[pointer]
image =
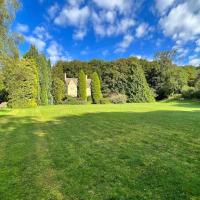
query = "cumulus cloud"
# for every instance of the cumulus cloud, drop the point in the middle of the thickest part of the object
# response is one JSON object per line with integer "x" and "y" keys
{"x": 106, "y": 18}
{"x": 42, "y": 33}
{"x": 39, "y": 38}
{"x": 40, "y": 44}
{"x": 123, "y": 6}
{"x": 194, "y": 60}
{"x": 22, "y": 28}
{"x": 73, "y": 16}
{"x": 182, "y": 23}
{"x": 124, "y": 44}
{"x": 79, "y": 34}
{"x": 52, "y": 11}
{"x": 163, "y": 5}
{"x": 55, "y": 53}
{"x": 142, "y": 30}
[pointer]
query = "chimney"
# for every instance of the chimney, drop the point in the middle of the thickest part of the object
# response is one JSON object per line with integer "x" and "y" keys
{"x": 65, "y": 76}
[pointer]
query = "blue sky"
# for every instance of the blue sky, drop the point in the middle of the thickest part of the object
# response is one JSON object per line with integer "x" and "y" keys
{"x": 111, "y": 29}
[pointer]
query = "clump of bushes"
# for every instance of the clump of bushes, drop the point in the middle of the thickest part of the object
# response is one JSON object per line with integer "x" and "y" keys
{"x": 118, "y": 98}
{"x": 73, "y": 101}
{"x": 105, "y": 101}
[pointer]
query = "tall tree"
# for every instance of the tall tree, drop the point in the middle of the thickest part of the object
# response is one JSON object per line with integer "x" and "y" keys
{"x": 96, "y": 88}
{"x": 58, "y": 90}
{"x": 22, "y": 84}
{"x": 7, "y": 38}
{"x": 82, "y": 92}
{"x": 43, "y": 67}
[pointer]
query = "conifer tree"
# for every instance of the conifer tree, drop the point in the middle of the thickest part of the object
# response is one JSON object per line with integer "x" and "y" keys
{"x": 96, "y": 88}
{"x": 58, "y": 90}
{"x": 22, "y": 84}
{"x": 82, "y": 86}
{"x": 44, "y": 71}
{"x": 136, "y": 87}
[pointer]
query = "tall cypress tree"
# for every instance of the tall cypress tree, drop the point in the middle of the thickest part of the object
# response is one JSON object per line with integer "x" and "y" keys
{"x": 136, "y": 87}
{"x": 44, "y": 71}
{"x": 82, "y": 86}
{"x": 96, "y": 88}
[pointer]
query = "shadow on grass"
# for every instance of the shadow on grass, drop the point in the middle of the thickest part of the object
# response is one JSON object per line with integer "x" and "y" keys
{"x": 113, "y": 156}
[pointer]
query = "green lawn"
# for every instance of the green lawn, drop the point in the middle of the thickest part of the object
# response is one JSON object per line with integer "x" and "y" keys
{"x": 101, "y": 152}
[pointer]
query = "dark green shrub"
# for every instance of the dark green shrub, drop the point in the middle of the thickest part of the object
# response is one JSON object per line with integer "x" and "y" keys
{"x": 105, "y": 101}
{"x": 58, "y": 90}
{"x": 89, "y": 99}
{"x": 188, "y": 92}
{"x": 118, "y": 98}
{"x": 73, "y": 101}
{"x": 82, "y": 92}
{"x": 96, "y": 89}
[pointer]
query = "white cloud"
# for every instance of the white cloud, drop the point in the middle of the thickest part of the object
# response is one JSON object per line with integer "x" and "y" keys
{"x": 182, "y": 22}
{"x": 56, "y": 53}
{"x": 52, "y": 11}
{"x": 73, "y": 16}
{"x": 197, "y": 49}
{"x": 40, "y": 44}
{"x": 109, "y": 26}
{"x": 194, "y": 61}
{"x": 124, "y": 44}
{"x": 163, "y": 5}
{"x": 79, "y": 34}
{"x": 142, "y": 30}
{"x": 22, "y": 28}
{"x": 123, "y": 6}
{"x": 42, "y": 33}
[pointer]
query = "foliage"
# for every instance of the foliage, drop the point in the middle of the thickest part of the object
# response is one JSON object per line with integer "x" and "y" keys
{"x": 73, "y": 101}
{"x": 162, "y": 76}
{"x": 105, "y": 101}
{"x": 82, "y": 92}
{"x": 58, "y": 90}
{"x": 96, "y": 88}
{"x": 44, "y": 71}
{"x": 135, "y": 85}
{"x": 7, "y": 38}
{"x": 118, "y": 98}
{"x": 22, "y": 84}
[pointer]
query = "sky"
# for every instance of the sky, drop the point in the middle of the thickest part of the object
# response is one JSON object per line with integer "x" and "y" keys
{"x": 110, "y": 29}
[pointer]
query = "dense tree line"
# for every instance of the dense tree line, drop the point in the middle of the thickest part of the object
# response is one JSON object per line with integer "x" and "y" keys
{"x": 139, "y": 79}
{"x": 31, "y": 81}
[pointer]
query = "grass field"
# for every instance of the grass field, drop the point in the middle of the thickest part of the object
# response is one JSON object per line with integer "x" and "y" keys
{"x": 101, "y": 152}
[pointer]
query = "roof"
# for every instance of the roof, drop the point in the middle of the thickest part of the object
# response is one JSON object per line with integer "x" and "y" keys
{"x": 75, "y": 81}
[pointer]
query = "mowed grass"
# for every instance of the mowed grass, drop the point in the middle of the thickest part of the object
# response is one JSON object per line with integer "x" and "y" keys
{"x": 101, "y": 152}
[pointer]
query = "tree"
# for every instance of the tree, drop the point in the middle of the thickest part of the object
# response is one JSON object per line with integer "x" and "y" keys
{"x": 58, "y": 90}
{"x": 82, "y": 92}
{"x": 7, "y": 38}
{"x": 44, "y": 79}
{"x": 136, "y": 87}
{"x": 44, "y": 71}
{"x": 49, "y": 83}
{"x": 96, "y": 88}
{"x": 22, "y": 84}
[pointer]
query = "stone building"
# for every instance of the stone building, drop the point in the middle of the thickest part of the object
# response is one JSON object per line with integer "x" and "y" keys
{"x": 72, "y": 86}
